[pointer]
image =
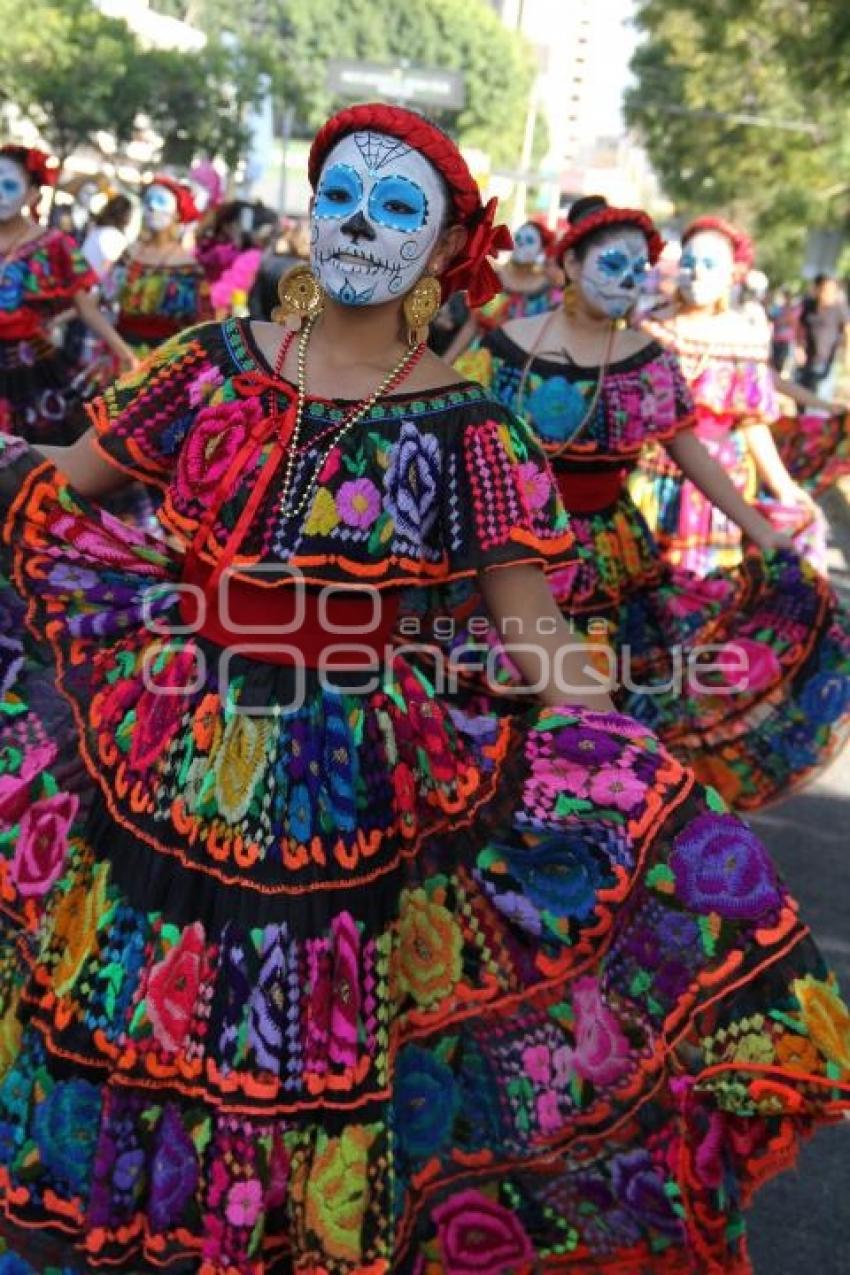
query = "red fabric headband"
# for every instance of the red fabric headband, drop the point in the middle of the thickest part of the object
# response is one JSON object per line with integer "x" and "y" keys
{"x": 40, "y": 167}
{"x": 743, "y": 250}
{"x": 547, "y": 236}
{"x": 470, "y": 271}
{"x": 186, "y": 208}
{"x": 604, "y": 219}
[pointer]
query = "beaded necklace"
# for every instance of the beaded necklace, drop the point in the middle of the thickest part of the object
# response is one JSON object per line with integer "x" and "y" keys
{"x": 390, "y": 382}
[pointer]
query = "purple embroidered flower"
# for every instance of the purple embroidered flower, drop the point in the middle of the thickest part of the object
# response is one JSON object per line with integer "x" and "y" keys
{"x": 721, "y": 866}
{"x": 174, "y": 1172}
{"x": 411, "y": 482}
{"x": 267, "y": 1021}
{"x": 639, "y": 1186}
{"x": 358, "y": 503}
{"x": 586, "y": 747}
{"x": 65, "y": 577}
{"x": 128, "y": 1170}
{"x": 676, "y": 929}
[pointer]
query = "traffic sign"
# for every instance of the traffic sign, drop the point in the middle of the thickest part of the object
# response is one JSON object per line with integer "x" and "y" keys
{"x": 397, "y": 82}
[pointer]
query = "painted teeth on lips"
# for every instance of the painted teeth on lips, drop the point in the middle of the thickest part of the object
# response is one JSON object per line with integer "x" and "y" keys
{"x": 359, "y": 262}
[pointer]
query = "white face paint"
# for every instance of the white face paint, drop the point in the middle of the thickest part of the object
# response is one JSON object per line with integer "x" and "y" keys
{"x": 159, "y": 208}
{"x": 613, "y": 272}
{"x": 706, "y": 268}
{"x": 14, "y": 189}
{"x": 377, "y": 216}
{"x": 528, "y": 245}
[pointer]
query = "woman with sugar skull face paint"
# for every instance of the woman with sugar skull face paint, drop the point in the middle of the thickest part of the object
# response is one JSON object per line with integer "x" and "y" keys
{"x": 596, "y": 395}
{"x": 726, "y": 360}
{"x": 41, "y": 274}
{"x": 162, "y": 288}
{"x": 341, "y": 975}
{"x": 526, "y": 288}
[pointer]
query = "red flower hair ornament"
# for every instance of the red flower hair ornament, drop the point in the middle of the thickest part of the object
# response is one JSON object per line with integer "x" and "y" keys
{"x": 470, "y": 271}
{"x": 187, "y": 210}
{"x": 41, "y": 168}
{"x": 606, "y": 219}
{"x": 743, "y": 250}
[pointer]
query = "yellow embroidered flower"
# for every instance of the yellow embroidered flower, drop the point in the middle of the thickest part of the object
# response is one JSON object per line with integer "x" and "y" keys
{"x": 240, "y": 763}
{"x": 429, "y": 949}
{"x": 754, "y": 1048}
{"x": 826, "y": 1017}
{"x": 324, "y": 514}
{"x": 338, "y": 1191}
{"x": 10, "y": 1038}
{"x": 75, "y": 924}
{"x": 475, "y": 365}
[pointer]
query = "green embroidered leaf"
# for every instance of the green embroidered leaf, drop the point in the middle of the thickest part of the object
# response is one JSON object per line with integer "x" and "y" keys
{"x": 660, "y": 875}
{"x": 715, "y": 801}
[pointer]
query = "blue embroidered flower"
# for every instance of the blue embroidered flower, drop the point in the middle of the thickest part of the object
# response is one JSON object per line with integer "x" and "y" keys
{"x": 300, "y": 813}
{"x": 129, "y": 1168}
{"x": 411, "y": 482}
{"x": 640, "y": 1187}
{"x": 65, "y": 1127}
{"x": 798, "y": 747}
{"x": 557, "y": 408}
{"x": 11, "y": 1264}
{"x": 560, "y": 875}
{"x": 826, "y": 698}
{"x": 174, "y": 1172}
{"x": 425, "y": 1102}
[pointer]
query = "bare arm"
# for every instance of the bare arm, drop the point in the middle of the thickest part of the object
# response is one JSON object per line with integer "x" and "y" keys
{"x": 805, "y": 398}
{"x": 704, "y": 472}
{"x": 94, "y": 318}
{"x": 525, "y": 613}
{"x": 462, "y": 340}
{"x": 85, "y": 466}
{"x": 771, "y": 466}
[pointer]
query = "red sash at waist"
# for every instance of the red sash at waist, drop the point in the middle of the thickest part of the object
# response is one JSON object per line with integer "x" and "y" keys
{"x": 338, "y": 626}
{"x": 20, "y": 325}
{"x": 148, "y": 327}
{"x": 588, "y": 491}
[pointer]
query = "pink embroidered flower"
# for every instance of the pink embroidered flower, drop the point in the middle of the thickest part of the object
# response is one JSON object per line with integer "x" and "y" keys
{"x": 160, "y": 709}
{"x": 14, "y": 789}
{"x": 204, "y": 386}
{"x": 617, "y": 787}
{"x": 749, "y": 665}
{"x": 345, "y": 1007}
{"x": 602, "y": 1051}
{"x": 216, "y": 436}
{"x": 173, "y": 986}
{"x": 536, "y": 1061}
{"x": 480, "y": 1237}
{"x": 244, "y": 1201}
{"x": 358, "y": 503}
{"x": 42, "y": 842}
{"x": 535, "y": 484}
{"x": 548, "y": 1114}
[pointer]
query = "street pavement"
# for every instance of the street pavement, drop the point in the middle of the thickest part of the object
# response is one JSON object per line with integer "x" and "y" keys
{"x": 800, "y": 1224}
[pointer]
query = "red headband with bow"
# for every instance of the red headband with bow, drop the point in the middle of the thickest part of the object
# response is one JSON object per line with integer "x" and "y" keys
{"x": 605, "y": 218}
{"x": 187, "y": 209}
{"x": 40, "y": 167}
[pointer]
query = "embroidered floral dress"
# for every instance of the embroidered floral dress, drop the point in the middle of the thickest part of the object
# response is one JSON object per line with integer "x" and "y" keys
{"x": 38, "y": 282}
{"x": 155, "y": 302}
{"x": 362, "y": 981}
{"x": 815, "y": 448}
{"x": 770, "y": 628}
{"x": 728, "y": 370}
{"x": 512, "y": 304}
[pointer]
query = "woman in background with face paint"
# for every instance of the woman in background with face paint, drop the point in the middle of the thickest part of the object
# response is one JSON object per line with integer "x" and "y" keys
{"x": 726, "y": 360}
{"x": 596, "y": 392}
{"x": 526, "y": 288}
{"x": 340, "y": 976}
{"x": 162, "y": 287}
{"x": 41, "y": 273}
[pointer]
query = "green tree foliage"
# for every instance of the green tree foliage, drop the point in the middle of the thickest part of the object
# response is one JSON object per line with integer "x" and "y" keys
{"x": 76, "y": 73}
{"x": 293, "y": 40}
{"x": 738, "y": 115}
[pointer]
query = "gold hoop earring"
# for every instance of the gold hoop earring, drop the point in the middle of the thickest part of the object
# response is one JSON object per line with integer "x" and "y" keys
{"x": 569, "y": 300}
{"x": 300, "y": 295}
{"x": 420, "y": 306}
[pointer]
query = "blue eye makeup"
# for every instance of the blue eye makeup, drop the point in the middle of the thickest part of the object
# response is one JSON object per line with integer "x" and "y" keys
{"x": 10, "y": 187}
{"x": 688, "y": 261}
{"x": 398, "y": 203}
{"x": 613, "y": 263}
{"x": 340, "y": 192}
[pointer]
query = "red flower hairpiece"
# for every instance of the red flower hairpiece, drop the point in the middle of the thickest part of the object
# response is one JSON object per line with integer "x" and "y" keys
{"x": 470, "y": 271}
{"x": 187, "y": 210}
{"x": 605, "y": 218}
{"x": 41, "y": 168}
{"x": 743, "y": 249}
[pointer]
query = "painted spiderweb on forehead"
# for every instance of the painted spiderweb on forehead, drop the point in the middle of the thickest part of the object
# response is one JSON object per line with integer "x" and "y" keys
{"x": 378, "y": 149}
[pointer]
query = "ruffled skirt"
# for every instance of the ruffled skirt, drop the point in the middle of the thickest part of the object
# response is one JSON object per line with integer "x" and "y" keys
{"x": 41, "y": 392}
{"x": 335, "y": 982}
{"x": 815, "y": 449}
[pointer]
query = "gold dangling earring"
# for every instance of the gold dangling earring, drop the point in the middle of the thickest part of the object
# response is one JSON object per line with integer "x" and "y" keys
{"x": 300, "y": 295}
{"x": 569, "y": 300}
{"x": 420, "y": 306}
